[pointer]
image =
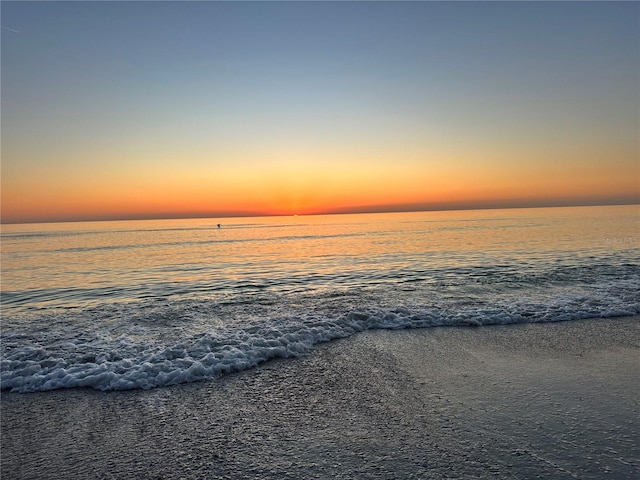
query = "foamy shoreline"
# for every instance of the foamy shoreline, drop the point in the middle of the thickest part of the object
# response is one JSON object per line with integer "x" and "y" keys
{"x": 551, "y": 400}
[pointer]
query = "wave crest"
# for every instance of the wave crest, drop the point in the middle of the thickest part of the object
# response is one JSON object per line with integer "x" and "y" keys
{"x": 103, "y": 362}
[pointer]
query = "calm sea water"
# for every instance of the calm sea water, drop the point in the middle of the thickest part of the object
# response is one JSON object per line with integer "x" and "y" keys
{"x": 141, "y": 304}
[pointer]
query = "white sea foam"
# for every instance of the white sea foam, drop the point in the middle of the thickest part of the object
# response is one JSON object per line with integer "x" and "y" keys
{"x": 130, "y": 356}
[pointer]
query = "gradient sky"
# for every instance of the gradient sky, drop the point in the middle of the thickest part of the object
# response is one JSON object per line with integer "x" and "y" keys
{"x": 162, "y": 109}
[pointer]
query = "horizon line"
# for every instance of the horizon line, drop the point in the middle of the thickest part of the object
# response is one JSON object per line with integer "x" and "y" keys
{"x": 356, "y": 210}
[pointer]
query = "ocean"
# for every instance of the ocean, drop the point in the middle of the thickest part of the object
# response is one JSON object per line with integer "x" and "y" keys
{"x": 141, "y": 304}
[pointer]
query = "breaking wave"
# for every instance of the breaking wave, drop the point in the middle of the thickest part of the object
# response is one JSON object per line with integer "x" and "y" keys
{"x": 145, "y": 346}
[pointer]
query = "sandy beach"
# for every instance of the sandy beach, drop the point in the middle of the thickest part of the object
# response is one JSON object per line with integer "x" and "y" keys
{"x": 523, "y": 401}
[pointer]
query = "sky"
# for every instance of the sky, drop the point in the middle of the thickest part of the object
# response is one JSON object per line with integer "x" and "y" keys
{"x": 115, "y": 110}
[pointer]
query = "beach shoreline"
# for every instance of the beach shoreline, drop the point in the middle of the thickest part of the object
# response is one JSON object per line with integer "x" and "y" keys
{"x": 554, "y": 400}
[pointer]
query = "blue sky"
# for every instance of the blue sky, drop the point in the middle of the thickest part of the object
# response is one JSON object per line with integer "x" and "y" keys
{"x": 156, "y": 95}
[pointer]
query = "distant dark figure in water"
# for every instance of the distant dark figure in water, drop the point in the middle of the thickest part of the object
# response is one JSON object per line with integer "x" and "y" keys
{"x": 219, "y": 225}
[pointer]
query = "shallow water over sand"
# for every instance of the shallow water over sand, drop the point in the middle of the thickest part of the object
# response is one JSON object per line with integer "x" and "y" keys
{"x": 522, "y": 401}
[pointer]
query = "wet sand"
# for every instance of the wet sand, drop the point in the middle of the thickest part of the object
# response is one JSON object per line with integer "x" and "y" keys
{"x": 524, "y": 401}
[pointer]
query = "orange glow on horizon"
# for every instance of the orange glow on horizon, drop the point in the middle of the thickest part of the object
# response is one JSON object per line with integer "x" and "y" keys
{"x": 288, "y": 188}
{"x": 288, "y": 179}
